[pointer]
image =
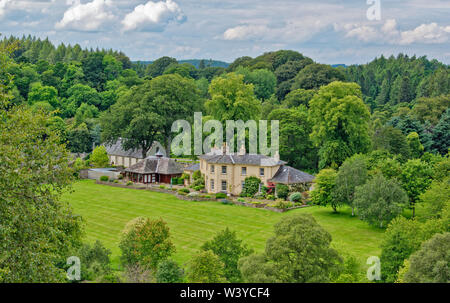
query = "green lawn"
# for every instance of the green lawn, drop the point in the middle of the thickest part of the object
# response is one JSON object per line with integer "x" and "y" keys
{"x": 106, "y": 210}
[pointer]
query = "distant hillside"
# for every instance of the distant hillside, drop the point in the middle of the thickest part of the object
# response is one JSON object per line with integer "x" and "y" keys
{"x": 339, "y": 65}
{"x": 196, "y": 62}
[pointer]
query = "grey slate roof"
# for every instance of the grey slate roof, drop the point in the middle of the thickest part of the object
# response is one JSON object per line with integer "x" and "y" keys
{"x": 247, "y": 159}
{"x": 290, "y": 175}
{"x": 193, "y": 167}
{"x": 116, "y": 149}
{"x": 158, "y": 165}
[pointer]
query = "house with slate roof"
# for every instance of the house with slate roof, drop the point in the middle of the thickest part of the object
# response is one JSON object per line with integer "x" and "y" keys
{"x": 226, "y": 172}
{"x": 154, "y": 169}
{"x": 126, "y": 158}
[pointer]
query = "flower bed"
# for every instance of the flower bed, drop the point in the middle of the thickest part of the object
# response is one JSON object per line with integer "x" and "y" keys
{"x": 254, "y": 203}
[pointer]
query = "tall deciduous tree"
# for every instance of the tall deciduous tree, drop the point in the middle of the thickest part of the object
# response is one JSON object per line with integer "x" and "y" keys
{"x": 340, "y": 122}
{"x": 230, "y": 249}
{"x": 379, "y": 201}
{"x": 299, "y": 252}
{"x": 37, "y": 230}
{"x": 295, "y": 144}
{"x": 351, "y": 174}
{"x": 146, "y": 113}
{"x": 206, "y": 267}
{"x": 232, "y": 99}
{"x": 323, "y": 192}
{"x": 416, "y": 177}
{"x": 146, "y": 243}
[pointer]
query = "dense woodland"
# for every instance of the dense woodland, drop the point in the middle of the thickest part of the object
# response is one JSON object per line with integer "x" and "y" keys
{"x": 377, "y": 136}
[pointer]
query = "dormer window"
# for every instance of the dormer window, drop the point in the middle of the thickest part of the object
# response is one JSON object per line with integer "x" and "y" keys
{"x": 224, "y": 170}
{"x": 244, "y": 171}
{"x": 212, "y": 169}
{"x": 261, "y": 172}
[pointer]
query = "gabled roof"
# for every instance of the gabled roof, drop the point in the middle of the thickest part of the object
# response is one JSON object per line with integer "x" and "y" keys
{"x": 193, "y": 167}
{"x": 290, "y": 175}
{"x": 156, "y": 165}
{"x": 116, "y": 149}
{"x": 247, "y": 159}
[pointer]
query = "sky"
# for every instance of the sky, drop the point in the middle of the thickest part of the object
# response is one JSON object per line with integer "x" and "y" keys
{"x": 331, "y": 31}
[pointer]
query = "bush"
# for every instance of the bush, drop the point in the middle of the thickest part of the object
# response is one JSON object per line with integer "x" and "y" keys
{"x": 295, "y": 197}
{"x": 221, "y": 196}
{"x": 180, "y": 181}
{"x": 251, "y": 186}
{"x": 95, "y": 261}
{"x": 120, "y": 177}
{"x": 129, "y": 183}
{"x": 169, "y": 272}
{"x": 104, "y": 178}
{"x": 162, "y": 187}
{"x": 241, "y": 200}
{"x": 270, "y": 197}
{"x": 282, "y": 191}
{"x": 206, "y": 196}
{"x": 199, "y": 188}
{"x": 226, "y": 202}
{"x": 116, "y": 181}
{"x": 193, "y": 194}
{"x": 99, "y": 157}
{"x": 145, "y": 243}
{"x": 184, "y": 190}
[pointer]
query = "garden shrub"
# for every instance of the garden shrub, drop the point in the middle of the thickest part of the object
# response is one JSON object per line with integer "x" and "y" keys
{"x": 221, "y": 196}
{"x": 104, "y": 178}
{"x": 116, "y": 181}
{"x": 183, "y": 191}
{"x": 120, "y": 177}
{"x": 259, "y": 196}
{"x": 193, "y": 194}
{"x": 241, "y": 200}
{"x": 199, "y": 187}
{"x": 296, "y": 197}
{"x": 270, "y": 197}
{"x": 162, "y": 187}
{"x": 251, "y": 186}
{"x": 282, "y": 191}
{"x": 129, "y": 183}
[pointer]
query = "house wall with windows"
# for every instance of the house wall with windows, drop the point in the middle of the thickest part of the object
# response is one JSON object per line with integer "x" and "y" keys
{"x": 230, "y": 178}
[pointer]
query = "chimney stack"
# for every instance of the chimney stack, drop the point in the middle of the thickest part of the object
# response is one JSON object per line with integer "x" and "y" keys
{"x": 242, "y": 151}
{"x": 276, "y": 157}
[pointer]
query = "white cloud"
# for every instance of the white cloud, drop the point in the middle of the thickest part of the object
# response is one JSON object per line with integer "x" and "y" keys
{"x": 244, "y": 32}
{"x": 86, "y": 17}
{"x": 3, "y": 6}
{"x": 153, "y": 16}
{"x": 426, "y": 33}
{"x": 389, "y": 33}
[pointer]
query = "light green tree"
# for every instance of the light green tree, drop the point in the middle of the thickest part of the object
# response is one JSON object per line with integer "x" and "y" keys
{"x": 352, "y": 173}
{"x": 379, "y": 201}
{"x": 323, "y": 192}
{"x": 415, "y": 147}
{"x": 99, "y": 157}
{"x": 232, "y": 99}
{"x": 340, "y": 122}
{"x": 206, "y": 267}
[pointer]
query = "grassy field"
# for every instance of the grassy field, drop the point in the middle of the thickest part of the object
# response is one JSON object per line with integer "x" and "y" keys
{"x": 106, "y": 210}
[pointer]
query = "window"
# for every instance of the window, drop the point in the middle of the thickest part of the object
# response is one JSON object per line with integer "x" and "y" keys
{"x": 244, "y": 171}
{"x": 261, "y": 171}
{"x": 212, "y": 169}
{"x": 224, "y": 185}
{"x": 224, "y": 170}
{"x": 242, "y": 184}
{"x": 212, "y": 184}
